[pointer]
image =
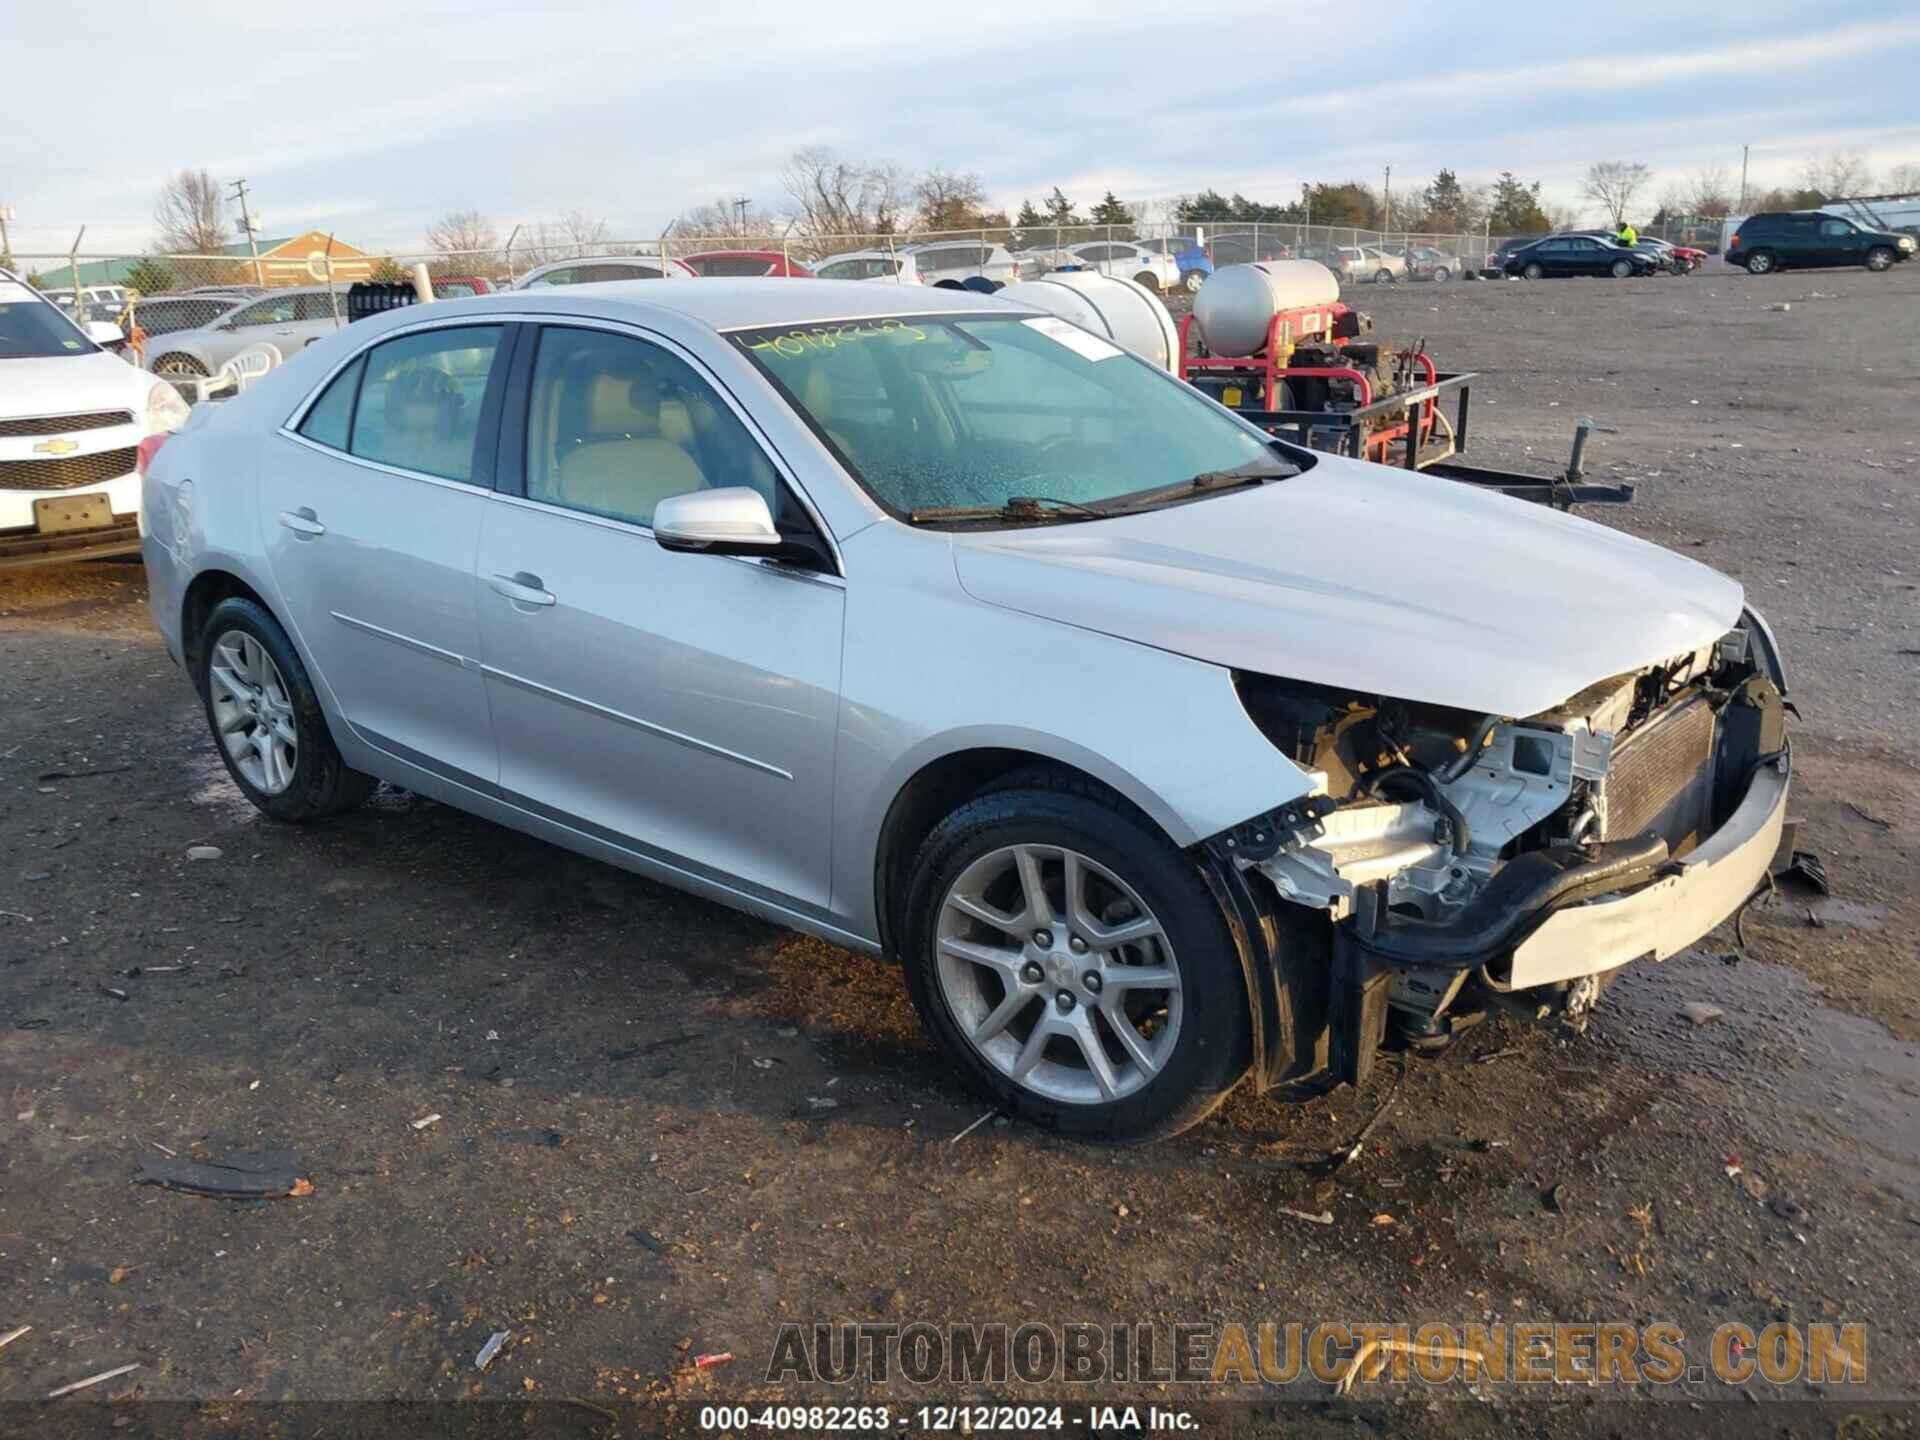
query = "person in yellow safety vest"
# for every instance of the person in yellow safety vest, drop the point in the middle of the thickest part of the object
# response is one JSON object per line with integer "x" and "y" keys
{"x": 1628, "y": 235}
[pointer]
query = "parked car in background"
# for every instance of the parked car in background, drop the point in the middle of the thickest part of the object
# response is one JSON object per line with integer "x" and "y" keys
{"x": 714, "y": 263}
{"x": 226, "y": 290}
{"x": 1429, "y": 262}
{"x": 115, "y": 295}
{"x": 595, "y": 269}
{"x": 1559, "y": 256}
{"x": 1244, "y": 247}
{"x": 1674, "y": 259}
{"x": 635, "y": 569}
{"x": 1194, "y": 261}
{"x": 1806, "y": 239}
{"x": 288, "y": 320}
{"x": 1363, "y": 264}
{"x": 950, "y": 263}
{"x": 1496, "y": 265}
{"x": 166, "y": 314}
{"x": 1123, "y": 260}
{"x": 72, "y": 417}
{"x": 870, "y": 265}
{"x": 460, "y": 287}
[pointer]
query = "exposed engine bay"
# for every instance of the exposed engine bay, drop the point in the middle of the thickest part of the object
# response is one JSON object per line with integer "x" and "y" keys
{"x": 1437, "y": 840}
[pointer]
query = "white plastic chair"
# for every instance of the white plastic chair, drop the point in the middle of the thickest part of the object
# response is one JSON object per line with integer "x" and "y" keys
{"x": 248, "y": 366}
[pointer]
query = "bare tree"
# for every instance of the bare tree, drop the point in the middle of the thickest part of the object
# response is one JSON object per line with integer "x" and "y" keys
{"x": 834, "y": 196}
{"x": 192, "y": 214}
{"x": 1711, "y": 193}
{"x": 1904, "y": 179}
{"x": 573, "y": 235}
{"x": 1835, "y": 174}
{"x": 1613, "y": 184}
{"x": 949, "y": 200}
{"x": 728, "y": 218}
{"x": 462, "y": 232}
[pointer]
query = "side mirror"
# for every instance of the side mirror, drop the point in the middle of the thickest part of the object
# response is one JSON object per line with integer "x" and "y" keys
{"x": 733, "y": 520}
{"x": 104, "y": 332}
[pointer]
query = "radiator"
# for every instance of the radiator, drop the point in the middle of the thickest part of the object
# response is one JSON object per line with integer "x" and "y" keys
{"x": 1661, "y": 779}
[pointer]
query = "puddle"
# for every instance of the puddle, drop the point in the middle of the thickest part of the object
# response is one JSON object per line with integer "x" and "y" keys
{"x": 1785, "y": 1052}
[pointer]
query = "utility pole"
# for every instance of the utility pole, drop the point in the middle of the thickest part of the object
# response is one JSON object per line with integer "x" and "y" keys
{"x": 246, "y": 224}
{"x": 1743, "y": 176}
{"x": 740, "y": 205}
{"x": 6, "y": 245}
{"x": 1386, "y": 191}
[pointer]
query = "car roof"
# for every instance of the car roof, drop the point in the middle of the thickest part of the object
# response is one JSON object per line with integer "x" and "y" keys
{"x": 737, "y": 255}
{"x": 729, "y": 303}
{"x": 905, "y": 252}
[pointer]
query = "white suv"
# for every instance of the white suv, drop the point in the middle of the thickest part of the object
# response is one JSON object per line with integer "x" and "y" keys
{"x": 72, "y": 418}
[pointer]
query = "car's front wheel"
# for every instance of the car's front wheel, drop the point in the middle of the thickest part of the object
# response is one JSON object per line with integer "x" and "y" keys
{"x": 267, "y": 720}
{"x": 1441, "y": 275}
{"x": 177, "y": 364}
{"x": 1621, "y": 269}
{"x": 1074, "y": 964}
{"x": 1534, "y": 270}
{"x": 1760, "y": 262}
{"x": 1880, "y": 258}
{"x": 1383, "y": 277}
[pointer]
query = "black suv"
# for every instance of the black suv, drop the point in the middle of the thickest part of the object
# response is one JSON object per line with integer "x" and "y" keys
{"x": 1798, "y": 239}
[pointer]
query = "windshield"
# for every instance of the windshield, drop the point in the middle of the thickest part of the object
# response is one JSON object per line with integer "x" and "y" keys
{"x": 31, "y": 329}
{"x": 934, "y": 413}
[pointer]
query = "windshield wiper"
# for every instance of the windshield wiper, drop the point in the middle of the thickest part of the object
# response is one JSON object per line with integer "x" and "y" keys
{"x": 1017, "y": 507}
{"x": 1255, "y": 472}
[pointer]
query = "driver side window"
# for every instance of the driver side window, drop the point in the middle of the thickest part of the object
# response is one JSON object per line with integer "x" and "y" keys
{"x": 616, "y": 425}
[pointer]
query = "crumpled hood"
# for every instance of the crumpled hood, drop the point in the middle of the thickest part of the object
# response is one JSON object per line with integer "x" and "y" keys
{"x": 66, "y": 384}
{"x": 1368, "y": 578}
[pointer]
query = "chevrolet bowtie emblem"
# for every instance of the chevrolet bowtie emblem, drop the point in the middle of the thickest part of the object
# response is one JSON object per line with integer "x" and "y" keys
{"x": 56, "y": 447}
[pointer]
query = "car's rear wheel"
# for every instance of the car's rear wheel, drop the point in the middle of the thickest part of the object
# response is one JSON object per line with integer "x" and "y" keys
{"x": 1442, "y": 274}
{"x": 1760, "y": 262}
{"x": 1383, "y": 277}
{"x": 1534, "y": 270}
{"x": 1148, "y": 279}
{"x": 1621, "y": 269}
{"x": 1880, "y": 258}
{"x": 1074, "y": 964}
{"x": 1193, "y": 280}
{"x": 177, "y": 364}
{"x": 267, "y": 720}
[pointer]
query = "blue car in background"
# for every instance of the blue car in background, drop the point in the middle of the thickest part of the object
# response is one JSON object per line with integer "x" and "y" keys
{"x": 1195, "y": 261}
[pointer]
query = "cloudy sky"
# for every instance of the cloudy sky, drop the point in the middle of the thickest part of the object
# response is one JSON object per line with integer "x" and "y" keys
{"x": 371, "y": 117}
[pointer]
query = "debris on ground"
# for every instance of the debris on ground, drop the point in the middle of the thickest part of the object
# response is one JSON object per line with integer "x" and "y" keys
{"x": 1350, "y": 1153}
{"x": 1788, "y": 1208}
{"x": 204, "y": 852}
{"x": 101, "y": 1378}
{"x": 647, "y": 1240}
{"x": 1807, "y": 870}
{"x": 1866, "y": 815}
{"x": 1325, "y": 1217}
{"x": 1698, "y": 1012}
{"x": 1558, "y": 1198}
{"x": 425, "y": 1120}
{"x": 84, "y": 774}
{"x": 13, "y": 1335}
{"x": 973, "y": 1127}
{"x": 247, "y": 1175}
{"x": 1373, "y": 1347}
{"x": 112, "y": 993}
{"x": 717, "y": 1357}
{"x": 490, "y": 1349}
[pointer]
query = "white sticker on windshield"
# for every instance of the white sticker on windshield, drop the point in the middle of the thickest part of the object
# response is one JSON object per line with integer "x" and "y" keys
{"x": 1082, "y": 343}
{"x": 12, "y": 292}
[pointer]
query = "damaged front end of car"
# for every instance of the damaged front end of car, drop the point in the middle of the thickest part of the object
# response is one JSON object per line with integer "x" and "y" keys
{"x": 1446, "y": 861}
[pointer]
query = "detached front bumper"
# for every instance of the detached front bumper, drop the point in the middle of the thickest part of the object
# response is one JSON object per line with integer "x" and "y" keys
{"x": 1686, "y": 901}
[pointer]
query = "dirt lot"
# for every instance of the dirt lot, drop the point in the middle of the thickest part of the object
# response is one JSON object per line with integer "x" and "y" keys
{"x": 665, "y": 1129}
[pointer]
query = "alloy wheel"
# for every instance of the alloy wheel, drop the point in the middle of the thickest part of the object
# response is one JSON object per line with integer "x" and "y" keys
{"x": 1058, "y": 974}
{"x": 253, "y": 712}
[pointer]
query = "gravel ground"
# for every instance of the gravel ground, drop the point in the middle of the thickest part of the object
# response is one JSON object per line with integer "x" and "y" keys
{"x": 664, "y": 1129}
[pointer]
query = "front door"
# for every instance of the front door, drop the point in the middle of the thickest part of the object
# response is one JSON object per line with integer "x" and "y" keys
{"x": 683, "y": 706}
{"x": 371, "y": 519}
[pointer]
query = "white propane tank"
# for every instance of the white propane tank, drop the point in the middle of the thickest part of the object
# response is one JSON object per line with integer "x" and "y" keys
{"x": 1238, "y": 302}
{"x": 1122, "y": 311}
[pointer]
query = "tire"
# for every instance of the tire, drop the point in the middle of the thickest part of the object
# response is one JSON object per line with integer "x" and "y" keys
{"x": 1441, "y": 275}
{"x": 1192, "y": 1040}
{"x": 1150, "y": 280}
{"x": 1621, "y": 269}
{"x": 1760, "y": 262}
{"x": 1880, "y": 258}
{"x": 1534, "y": 270}
{"x": 243, "y": 649}
{"x": 1192, "y": 281}
{"x": 1383, "y": 277}
{"x": 948, "y": 285}
{"x": 174, "y": 363}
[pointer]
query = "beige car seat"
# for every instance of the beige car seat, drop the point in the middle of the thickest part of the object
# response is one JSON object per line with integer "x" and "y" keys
{"x": 625, "y": 464}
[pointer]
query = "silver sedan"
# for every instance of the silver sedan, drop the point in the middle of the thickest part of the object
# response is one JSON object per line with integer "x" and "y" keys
{"x": 1161, "y": 754}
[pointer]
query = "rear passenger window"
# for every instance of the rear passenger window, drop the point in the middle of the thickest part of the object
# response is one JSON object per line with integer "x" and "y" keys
{"x": 419, "y": 406}
{"x": 331, "y": 418}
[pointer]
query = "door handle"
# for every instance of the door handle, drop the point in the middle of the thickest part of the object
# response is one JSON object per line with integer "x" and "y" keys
{"x": 302, "y": 522}
{"x": 521, "y": 588}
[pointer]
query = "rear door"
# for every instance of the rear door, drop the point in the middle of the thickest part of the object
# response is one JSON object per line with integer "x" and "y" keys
{"x": 682, "y": 706}
{"x": 371, "y": 507}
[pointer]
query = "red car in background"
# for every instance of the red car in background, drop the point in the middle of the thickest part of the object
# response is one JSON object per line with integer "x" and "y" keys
{"x": 460, "y": 287}
{"x": 715, "y": 263}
